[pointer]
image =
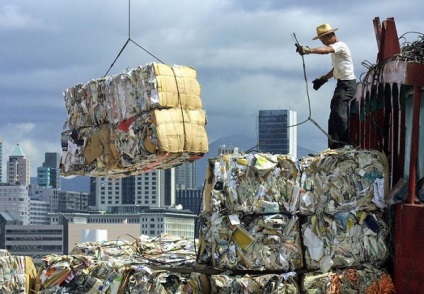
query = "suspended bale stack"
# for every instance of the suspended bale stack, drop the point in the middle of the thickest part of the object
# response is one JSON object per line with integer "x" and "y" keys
{"x": 147, "y": 118}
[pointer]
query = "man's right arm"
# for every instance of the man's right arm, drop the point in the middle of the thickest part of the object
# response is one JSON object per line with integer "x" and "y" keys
{"x": 322, "y": 50}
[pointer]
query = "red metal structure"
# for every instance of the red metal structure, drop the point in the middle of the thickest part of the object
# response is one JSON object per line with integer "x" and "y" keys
{"x": 386, "y": 117}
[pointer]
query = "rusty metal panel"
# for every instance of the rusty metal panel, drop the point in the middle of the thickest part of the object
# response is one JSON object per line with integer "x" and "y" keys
{"x": 409, "y": 248}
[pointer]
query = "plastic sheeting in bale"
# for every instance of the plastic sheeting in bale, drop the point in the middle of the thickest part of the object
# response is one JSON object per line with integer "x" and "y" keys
{"x": 351, "y": 280}
{"x": 147, "y": 118}
{"x": 344, "y": 179}
{"x": 345, "y": 239}
{"x": 250, "y": 242}
{"x": 251, "y": 183}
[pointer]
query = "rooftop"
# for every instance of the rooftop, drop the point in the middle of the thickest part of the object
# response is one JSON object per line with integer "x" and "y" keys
{"x": 17, "y": 151}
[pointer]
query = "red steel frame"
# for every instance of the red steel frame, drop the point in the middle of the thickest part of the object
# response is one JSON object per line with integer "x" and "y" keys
{"x": 380, "y": 124}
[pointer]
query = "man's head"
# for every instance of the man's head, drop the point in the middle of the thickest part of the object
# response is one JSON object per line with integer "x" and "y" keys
{"x": 323, "y": 31}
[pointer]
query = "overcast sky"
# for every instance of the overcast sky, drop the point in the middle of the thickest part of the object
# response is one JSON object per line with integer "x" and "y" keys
{"x": 243, "y": 52}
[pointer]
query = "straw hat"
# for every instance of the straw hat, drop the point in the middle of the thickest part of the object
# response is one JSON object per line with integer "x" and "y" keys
{"x": 323, "y": 30}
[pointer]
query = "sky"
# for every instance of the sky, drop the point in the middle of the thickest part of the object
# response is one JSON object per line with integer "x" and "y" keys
{"x": 243, "y": 52}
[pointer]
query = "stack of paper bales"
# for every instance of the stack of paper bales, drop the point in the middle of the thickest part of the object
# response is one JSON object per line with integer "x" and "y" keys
{"x": 147, "y": 118}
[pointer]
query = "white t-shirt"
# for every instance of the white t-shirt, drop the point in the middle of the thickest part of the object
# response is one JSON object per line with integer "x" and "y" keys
{"x": 342, "y": 62}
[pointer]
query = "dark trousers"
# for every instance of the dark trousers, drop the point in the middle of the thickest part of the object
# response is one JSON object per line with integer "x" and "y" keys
{"x": 339, "y": 116}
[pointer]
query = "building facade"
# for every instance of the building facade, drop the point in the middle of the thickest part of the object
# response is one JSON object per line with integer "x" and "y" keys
{"x": 224, "y": 149}
{"x": 34, "y": 240}
{"x": 153, "y": 189}
{"x": 186, "y": 176}
{"x": 14, "y": 199}
{"x": 277, "y": 132}
{"x": 71, "y": 200}
{"x": 48, "y": 175}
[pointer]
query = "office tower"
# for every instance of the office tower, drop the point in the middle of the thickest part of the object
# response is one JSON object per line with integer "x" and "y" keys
{"x": 18, "y": 167}
{"x": 190, "y": 199}
{"x": 48, "y": 175}
{"x": 277, "y": 133}
{"x": 186, "y": 176}
{"x": 14, "y": 200}
{"x": 153, "y": 189}
{"x": 70, "y": 200}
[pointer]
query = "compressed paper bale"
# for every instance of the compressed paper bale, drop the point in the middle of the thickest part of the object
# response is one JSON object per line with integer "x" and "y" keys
{"x": 161, "y": 69}
{"x": 167, "y": 99}
{"x": 118, "y": 155}
{"x": 178, "y": 85}
{"x": 253, "y": 183}
{"x": 344, "y": 179}
{"x": 115, "y": 98}
{"x": 180, "y": 130}
{"x": 251, "y": 242}
{"x": 344, "y": 239}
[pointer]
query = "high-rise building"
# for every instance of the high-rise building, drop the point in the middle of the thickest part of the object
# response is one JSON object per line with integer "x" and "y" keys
{"x": 70, "y": 200}
{"x": 186, "y": 176}
{"x": 277, "y": 133}
{"x": 48, "y": 175}
{"x": 14, "y": 199}
{"x": 18, "y": 167}
{"x": 153, "y": 189}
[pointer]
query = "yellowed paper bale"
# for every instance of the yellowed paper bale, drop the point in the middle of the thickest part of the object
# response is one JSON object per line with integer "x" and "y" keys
{"x": 168, "y": 99}
{"x": 180, "y": 85}
{"x": 166, "y": 70}
{"x": 181, "y": 130}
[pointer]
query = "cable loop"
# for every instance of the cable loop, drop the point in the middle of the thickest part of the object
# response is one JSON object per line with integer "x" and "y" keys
{"x": 130, "y": 40}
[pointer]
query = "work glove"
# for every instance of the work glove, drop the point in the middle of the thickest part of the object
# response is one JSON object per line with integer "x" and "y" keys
{"x": 302, "y": 50}
{"x": 319, "y": 82}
